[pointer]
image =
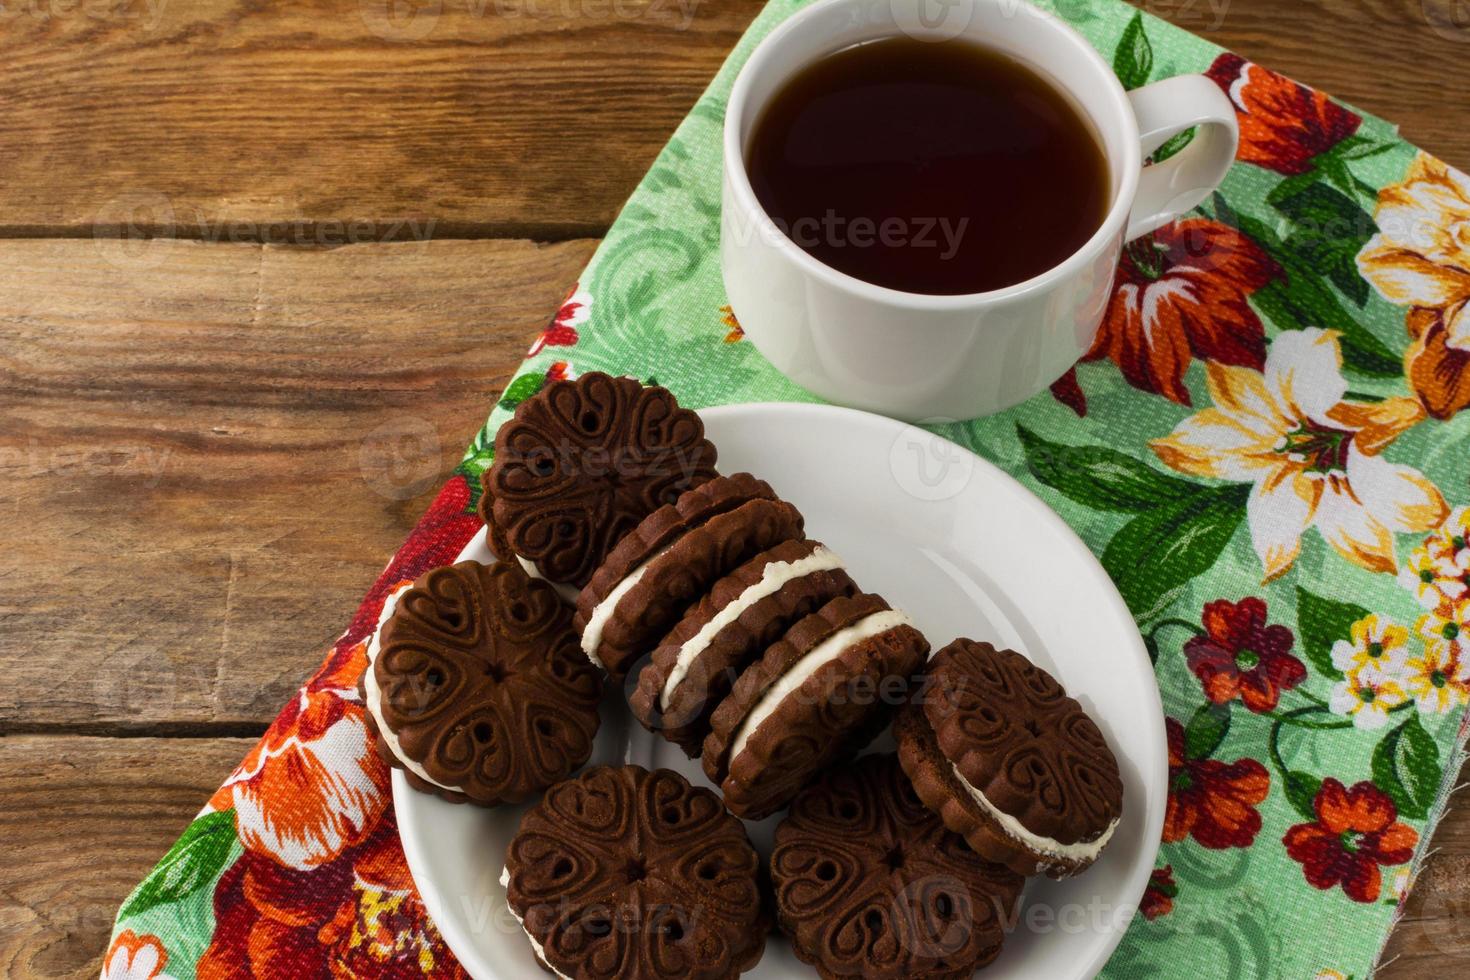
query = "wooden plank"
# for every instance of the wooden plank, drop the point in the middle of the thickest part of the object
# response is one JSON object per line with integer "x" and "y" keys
{"x": 1432, "y": 939}
{"x": 230, "y": 118}
{"x": 303, "y": 122}
{"x": 127, "y": 799}
{"x": 204, "y": 467}
{"x": 84, "y": 820}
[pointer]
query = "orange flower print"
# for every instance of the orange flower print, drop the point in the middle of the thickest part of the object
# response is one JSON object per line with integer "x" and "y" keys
{"x": 1283, "y": 124}
{"x": 737, "y": 332}
{"x": 1421, "y": 259}
{"x": 1356, "y": 832}
{"x": 1210, "y": 801}
{"x": 1182, "y": 294}
{"x": 357, "y": 916}
{"x": 312, "y": 786}
{"x": 135, "y": 957}
{"x": 562, "y": 330}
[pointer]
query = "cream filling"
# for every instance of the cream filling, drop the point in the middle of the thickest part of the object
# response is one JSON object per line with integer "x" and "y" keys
{"x": 602, "y": 612}
{"x": 773, "y": 579}
{"x": 540, "y": 950}
{"x": 1081, "y": 851}
{"x": 568, "y": 593}
{"x": 818, "y": 657}
{"x": 375, "y": 698}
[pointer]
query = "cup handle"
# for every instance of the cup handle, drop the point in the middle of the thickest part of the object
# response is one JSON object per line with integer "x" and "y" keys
{"x": 1164, "y": 109}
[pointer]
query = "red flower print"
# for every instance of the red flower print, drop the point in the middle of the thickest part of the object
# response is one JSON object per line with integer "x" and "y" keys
{"x": 1357, "y": 831}
{"x": 1241, "y": 657}
{"x": 559, "y": 371}
{"x": 358, "y": 916}
{"x": 438, "y": 539}
{"x": 1158, "y": 897}
{"x": 311, "y": 787}
{"x": 1210, "y": 801}
{"x": 1181, "y": 294}
{"x": 1283, "y": 124}
{"x": 562, "y": 330}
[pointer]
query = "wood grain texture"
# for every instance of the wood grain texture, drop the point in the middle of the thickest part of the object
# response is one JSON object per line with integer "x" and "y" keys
{"x": 223, "y": 119}
{"x": 84, "y": 820}
{"x": 1432, "y": 939}
{"x": 327, "y": 121}
{"x": 210, "y": 451}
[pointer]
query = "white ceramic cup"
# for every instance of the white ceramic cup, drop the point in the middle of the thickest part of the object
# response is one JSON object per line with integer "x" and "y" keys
{"x": 925, "y": 357}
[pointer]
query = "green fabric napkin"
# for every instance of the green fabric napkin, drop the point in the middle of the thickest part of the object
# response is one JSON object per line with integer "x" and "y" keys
{"x": 1266, "y": 453}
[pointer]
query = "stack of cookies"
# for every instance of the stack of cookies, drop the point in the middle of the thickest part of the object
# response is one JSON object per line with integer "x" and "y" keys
{"x": 625, "y": 555}
{"x": 750, "y": 644}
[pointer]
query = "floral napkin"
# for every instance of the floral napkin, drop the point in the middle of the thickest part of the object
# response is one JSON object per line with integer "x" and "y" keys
{"x": 1265, "y": 446}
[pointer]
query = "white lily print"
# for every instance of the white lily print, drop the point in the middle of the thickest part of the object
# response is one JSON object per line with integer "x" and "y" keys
{"x": 1312, "y": 458}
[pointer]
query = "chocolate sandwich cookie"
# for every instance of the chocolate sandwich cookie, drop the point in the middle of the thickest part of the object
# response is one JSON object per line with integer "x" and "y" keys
{"x": 1009, "y": 761}
{"x": 663, "y": 566}
{"x": 745, "y": 612}
{"x": 869, "y": 883}
{"x": 626, "y": 874}
{"x": 823, "y": 691}
{"x": 476, "y": 687}
{"x": 580, "y": 464}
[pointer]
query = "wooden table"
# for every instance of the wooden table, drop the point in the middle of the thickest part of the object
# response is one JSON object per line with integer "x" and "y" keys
{"x": 212, "y": 440}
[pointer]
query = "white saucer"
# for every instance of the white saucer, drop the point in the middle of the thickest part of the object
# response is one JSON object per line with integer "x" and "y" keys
{"x": 966, "y": 551}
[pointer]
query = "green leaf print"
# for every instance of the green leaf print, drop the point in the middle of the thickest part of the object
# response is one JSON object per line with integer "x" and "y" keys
{"x": 1321, "y": 623}
{"x": 1329, "y": 230}
{"x": 1103, "y": 479}
{"x": 473, "y": 468}
{"x": 1301, "y": 791}
{"x": 520, "y": 389}
{"x": 1303, "y": 299}
{"x": 1406, "y": 766}
{"x": 1173, "y": 146}
{"x": 195, "y": 861}
{"x": 1156, "y": 554}
{"x": 476, "y": 461}
{"x": 1134, "y": 61}
{"x": 1206, "y": 730}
